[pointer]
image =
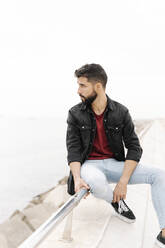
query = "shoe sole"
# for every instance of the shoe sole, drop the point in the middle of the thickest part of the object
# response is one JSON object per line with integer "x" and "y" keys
{"x": 157, "y": 242}
{"x": 124, "y": 218}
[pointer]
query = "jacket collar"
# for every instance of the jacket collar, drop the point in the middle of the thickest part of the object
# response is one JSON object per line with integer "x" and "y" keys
{"x": 110, "y": 104}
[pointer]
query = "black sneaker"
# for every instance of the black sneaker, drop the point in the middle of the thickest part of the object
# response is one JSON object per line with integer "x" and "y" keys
{"x": 123, "y": 211}
{"x": 160, "y": 241}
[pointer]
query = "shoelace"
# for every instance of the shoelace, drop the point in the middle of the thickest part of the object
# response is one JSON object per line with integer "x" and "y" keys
{"x": 122, "y": 207}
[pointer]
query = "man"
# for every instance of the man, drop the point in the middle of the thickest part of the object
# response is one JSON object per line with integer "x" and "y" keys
{"x": 98, "y": 129}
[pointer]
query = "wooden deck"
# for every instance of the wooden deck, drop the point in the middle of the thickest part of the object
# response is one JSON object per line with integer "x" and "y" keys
{"x": 94, "y": 221}
{"x": 94, "y": 224}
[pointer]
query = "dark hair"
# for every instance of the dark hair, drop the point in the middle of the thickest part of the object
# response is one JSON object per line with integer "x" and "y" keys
{"x": 93, "y": 72}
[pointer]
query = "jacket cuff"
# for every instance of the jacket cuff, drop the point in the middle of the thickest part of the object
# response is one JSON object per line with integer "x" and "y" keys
{"x": 134, "y": 155}
{"x": 74, "y": 160}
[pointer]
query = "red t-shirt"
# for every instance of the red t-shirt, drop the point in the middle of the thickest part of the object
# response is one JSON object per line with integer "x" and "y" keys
{"x": 101, "y": 149}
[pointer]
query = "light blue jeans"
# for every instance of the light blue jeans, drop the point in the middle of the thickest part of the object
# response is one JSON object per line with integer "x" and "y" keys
{"x": 99, "y": 173}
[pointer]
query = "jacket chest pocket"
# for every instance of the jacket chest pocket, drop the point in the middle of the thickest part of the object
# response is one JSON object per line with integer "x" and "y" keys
{"x": 84, "y": 128}
{"x": 115, "y": 129}
{"x": 85, "y": 132}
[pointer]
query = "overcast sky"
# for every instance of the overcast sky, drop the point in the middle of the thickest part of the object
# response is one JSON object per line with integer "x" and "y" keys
{"x": 43, "y": 42}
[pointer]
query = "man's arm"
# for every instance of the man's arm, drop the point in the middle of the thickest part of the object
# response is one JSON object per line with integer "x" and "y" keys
{"x": 131, "y": 140}
{"x": 78, "y": 181}
{"x": 133, "y": 156}
{"x": 129, "y": 167}
{"x": 75, "y": 169}
{"x": 73, "y": 141}
{"x": 132, "y": 143}
{"x": 120, "y": 190}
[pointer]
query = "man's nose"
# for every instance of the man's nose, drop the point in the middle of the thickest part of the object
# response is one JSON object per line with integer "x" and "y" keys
{"x": 78, "y": 92}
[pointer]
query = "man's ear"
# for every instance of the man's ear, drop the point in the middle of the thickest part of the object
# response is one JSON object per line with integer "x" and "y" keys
{"x": 98, "y": 86}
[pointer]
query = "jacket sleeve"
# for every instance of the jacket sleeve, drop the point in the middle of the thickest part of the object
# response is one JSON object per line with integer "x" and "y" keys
{"x": 73, "y": 140}
{"x": 131, "y": 139}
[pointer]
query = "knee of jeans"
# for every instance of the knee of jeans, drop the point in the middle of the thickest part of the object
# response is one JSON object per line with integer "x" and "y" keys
{"x": 99, "y": 190}
{"x": 159, "y": 175}
{"x": 96, "y": 181}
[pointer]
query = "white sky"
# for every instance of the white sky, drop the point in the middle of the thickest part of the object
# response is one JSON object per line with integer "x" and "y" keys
{"x": 43, "y": 42}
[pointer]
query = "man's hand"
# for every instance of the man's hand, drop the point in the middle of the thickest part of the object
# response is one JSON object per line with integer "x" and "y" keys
{"x": 80, "y": 183}
{"x": 120, "y": 191}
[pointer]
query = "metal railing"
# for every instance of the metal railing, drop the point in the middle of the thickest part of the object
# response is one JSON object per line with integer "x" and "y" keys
{"x": 40, "y": 234}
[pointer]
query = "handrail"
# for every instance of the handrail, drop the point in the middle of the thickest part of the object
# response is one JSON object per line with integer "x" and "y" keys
{"x": 43, "y": 231}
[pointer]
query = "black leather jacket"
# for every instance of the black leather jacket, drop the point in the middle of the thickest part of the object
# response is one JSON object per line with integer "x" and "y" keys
{"x": 81, "y": 131}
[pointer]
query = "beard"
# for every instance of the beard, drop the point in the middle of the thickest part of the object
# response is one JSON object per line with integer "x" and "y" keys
{"x": 88, "y": 100}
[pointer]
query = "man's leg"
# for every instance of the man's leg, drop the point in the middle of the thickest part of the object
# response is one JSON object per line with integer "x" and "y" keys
{"x": 92, "y": 173}
{"x": 142, "y": 174}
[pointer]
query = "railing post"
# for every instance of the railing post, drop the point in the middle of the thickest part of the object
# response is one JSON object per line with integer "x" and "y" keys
{"x": 66, "y": 237}
{"x": 40, "y": 234}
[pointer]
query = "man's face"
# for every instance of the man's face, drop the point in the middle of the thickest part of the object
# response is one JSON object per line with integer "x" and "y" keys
{"x": 86, "y": 90}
